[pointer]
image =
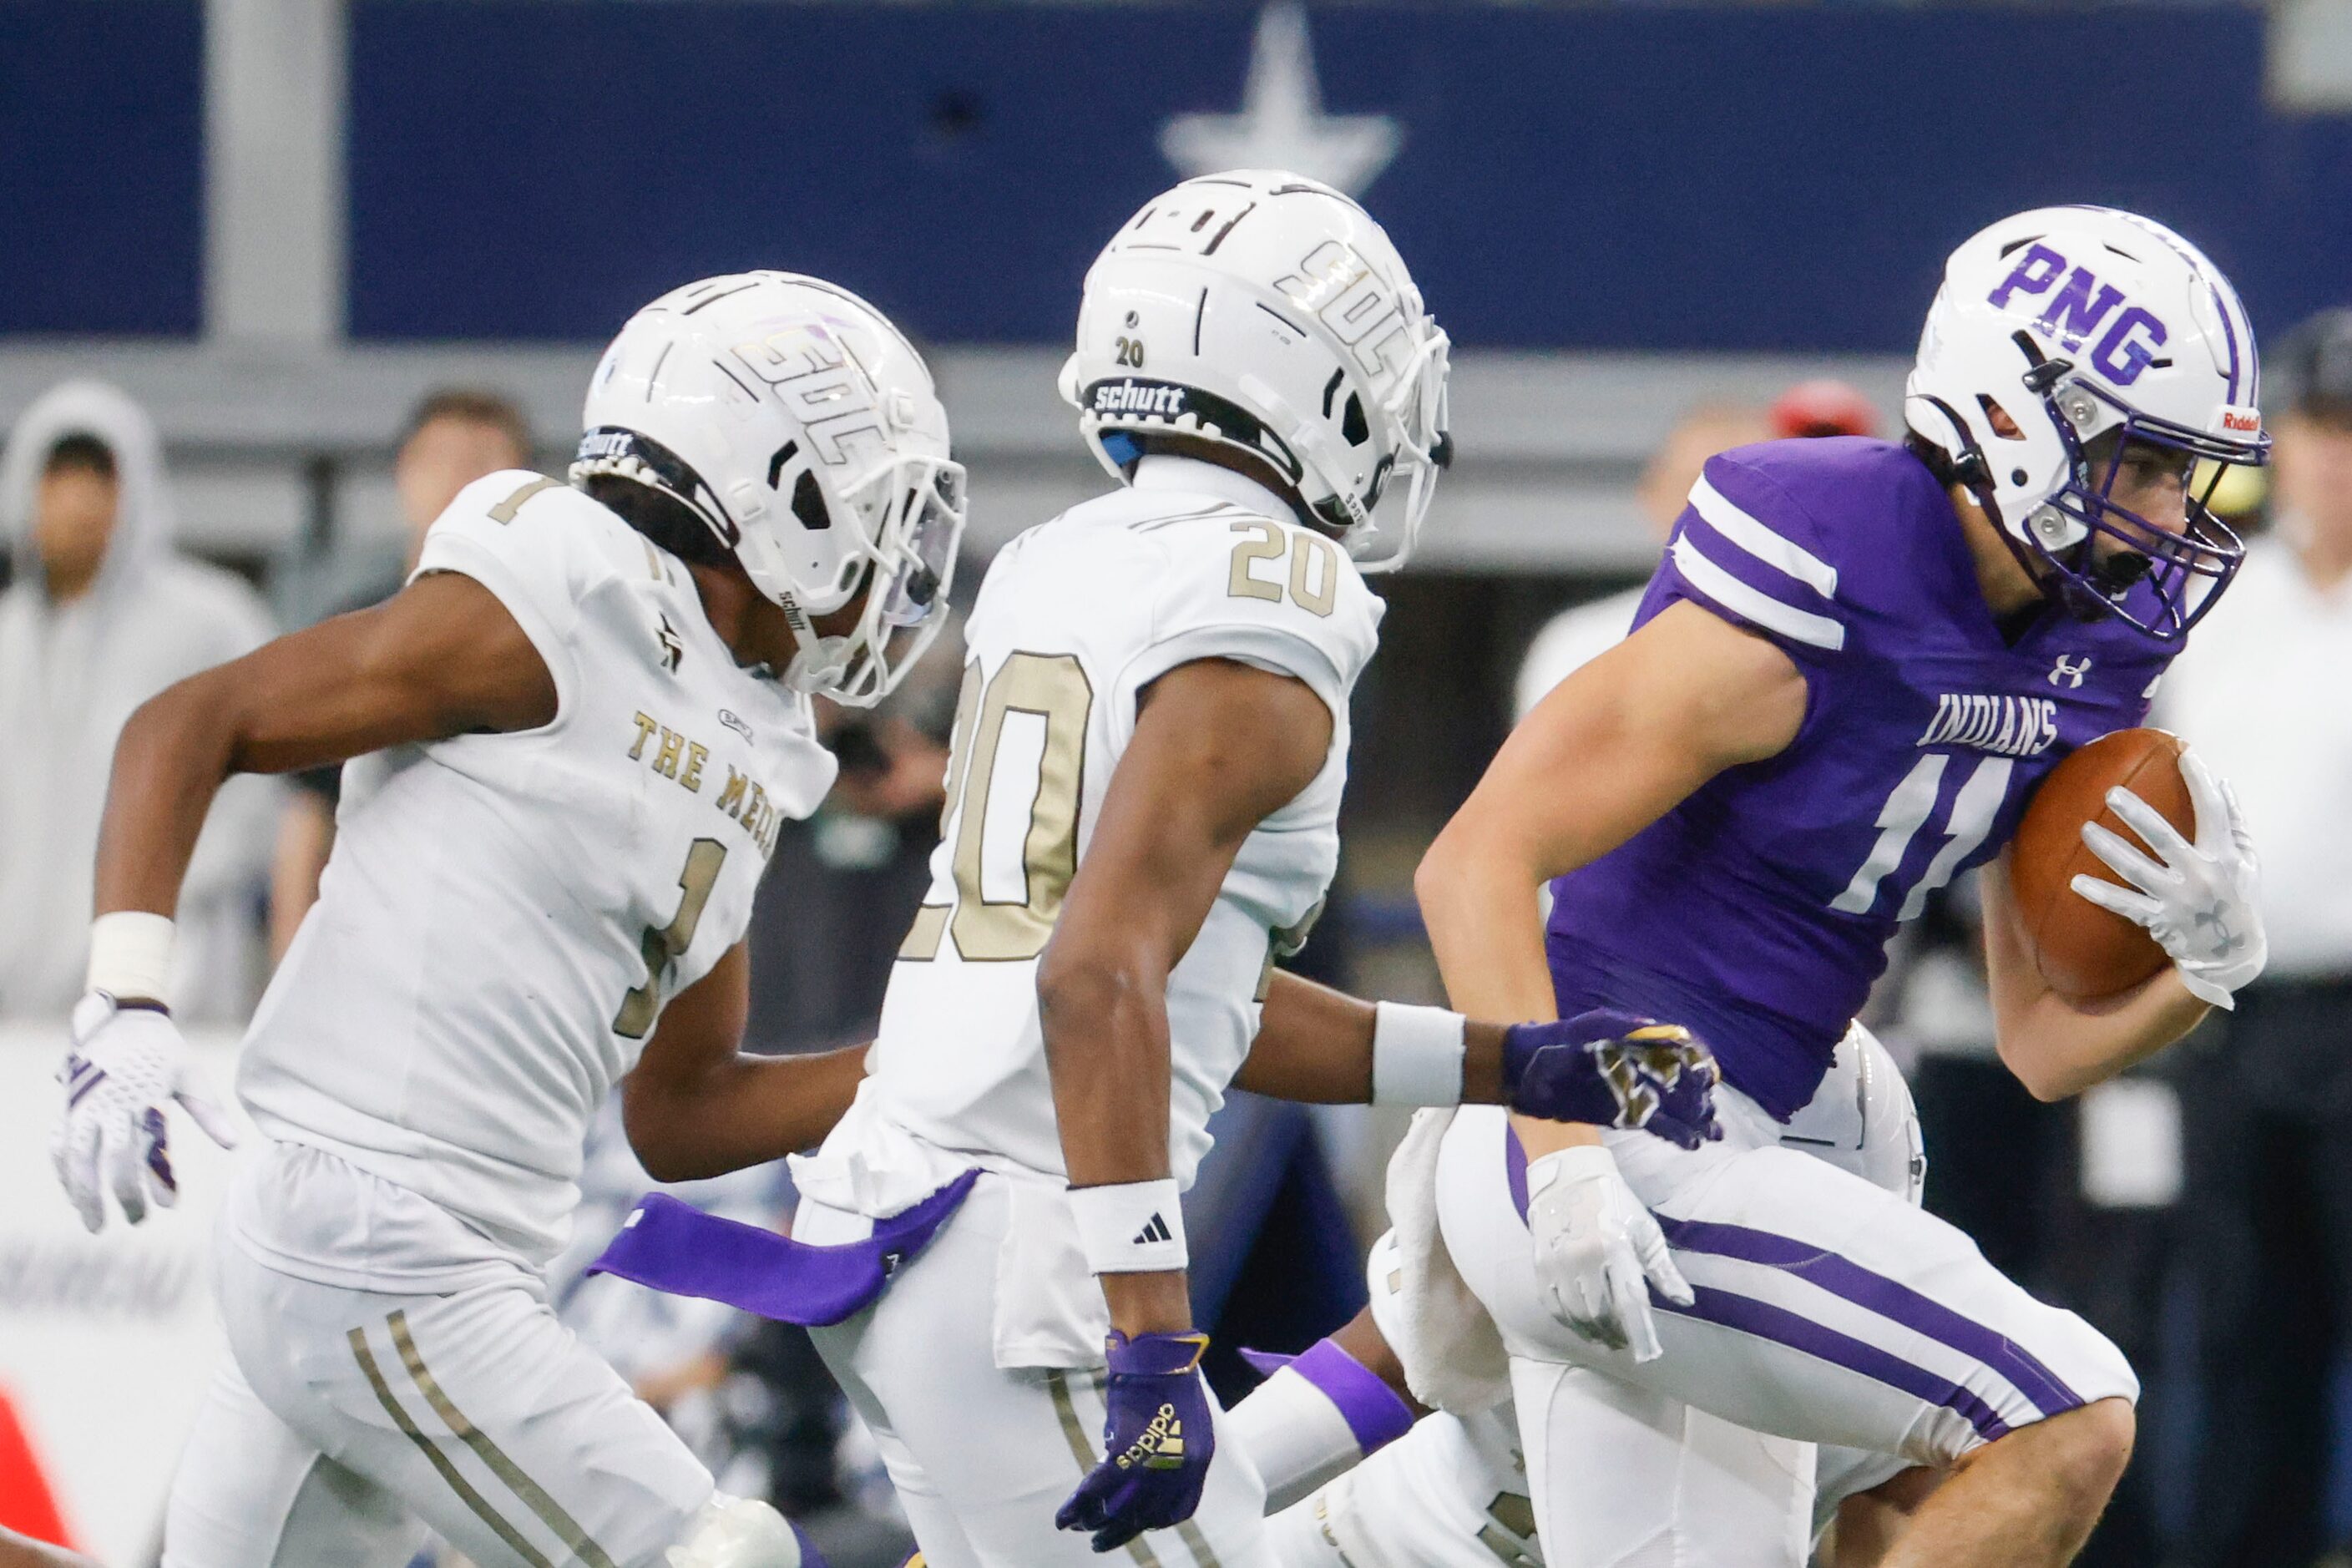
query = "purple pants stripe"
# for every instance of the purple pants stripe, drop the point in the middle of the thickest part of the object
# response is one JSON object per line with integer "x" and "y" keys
{"x": 1843, "y": 1278}
{"x": 1799, "y": 1332}
{"x": 1890, "y": 1299}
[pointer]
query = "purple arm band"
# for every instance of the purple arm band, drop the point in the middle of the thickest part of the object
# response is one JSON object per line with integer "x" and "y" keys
{"x": 1371, "y": 1407}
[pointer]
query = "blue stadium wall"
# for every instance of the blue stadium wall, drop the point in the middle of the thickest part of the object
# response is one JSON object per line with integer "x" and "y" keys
{"x": 101, "y": 166}
{"x": 1686, "y": 177}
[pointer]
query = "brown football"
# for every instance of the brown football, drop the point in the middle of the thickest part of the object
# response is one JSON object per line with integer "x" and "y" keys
{"x": 2086, "y": 953}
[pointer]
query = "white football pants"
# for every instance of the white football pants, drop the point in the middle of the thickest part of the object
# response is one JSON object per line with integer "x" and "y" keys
{"x": 350, "y": 1422}
{"x": 983, "y": 1456}
{"x": 1829, "y": 1312}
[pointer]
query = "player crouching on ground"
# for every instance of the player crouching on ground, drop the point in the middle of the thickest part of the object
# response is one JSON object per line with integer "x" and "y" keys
{"x": 572, "y": 735}
{"x": 1737, "y": 807}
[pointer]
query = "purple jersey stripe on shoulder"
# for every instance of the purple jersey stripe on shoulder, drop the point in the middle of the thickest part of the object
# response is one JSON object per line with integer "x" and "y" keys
{"x": 1896, "y": 1303}
{"x": 1724, "y": 584}
{"x": 1749, "y": 534}
{"x": 1765, "y": 1320}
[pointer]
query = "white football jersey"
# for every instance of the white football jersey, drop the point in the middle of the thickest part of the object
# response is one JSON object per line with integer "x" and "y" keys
{"x": 504, "y": 915}
{"x": 1077, "y": 616}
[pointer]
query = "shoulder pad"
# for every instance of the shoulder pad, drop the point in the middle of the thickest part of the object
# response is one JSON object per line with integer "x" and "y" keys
{"x": 1769, "y": 531}
{"x": 537, "y": 543}
{"x": 1264, "y": 591}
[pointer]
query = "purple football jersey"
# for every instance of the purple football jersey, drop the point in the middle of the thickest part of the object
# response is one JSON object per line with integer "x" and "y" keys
{"x": 1757, "y": 912}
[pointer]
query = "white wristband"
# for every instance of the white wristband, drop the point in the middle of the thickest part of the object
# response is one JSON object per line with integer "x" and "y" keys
{"x": 131, "y": 955}
{"x": 1134, "y": 1227}
{"x": 1416, "y": 1054}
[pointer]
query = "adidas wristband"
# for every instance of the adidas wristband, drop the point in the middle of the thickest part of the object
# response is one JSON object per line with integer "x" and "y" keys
{"x": 1417, "y": 1054}
{"x": 1133, "y": 1227}
{"x": 131, "y": 956}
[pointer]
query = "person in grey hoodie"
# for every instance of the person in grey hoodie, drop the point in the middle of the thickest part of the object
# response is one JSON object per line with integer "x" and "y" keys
{"x": 100, "y": 614}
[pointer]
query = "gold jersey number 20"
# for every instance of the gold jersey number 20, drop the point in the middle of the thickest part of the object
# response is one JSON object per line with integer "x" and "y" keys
{"x": 1028, "y": 729}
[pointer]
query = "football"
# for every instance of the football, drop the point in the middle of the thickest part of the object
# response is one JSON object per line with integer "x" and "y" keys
{"x": 2083, "y": 952}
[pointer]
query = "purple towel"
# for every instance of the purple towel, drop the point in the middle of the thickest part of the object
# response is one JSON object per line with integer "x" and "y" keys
{"x": 675, "y": 1247}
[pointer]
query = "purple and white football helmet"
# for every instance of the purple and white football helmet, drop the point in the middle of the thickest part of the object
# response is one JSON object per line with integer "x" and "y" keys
{"x": 2077, "y": 321}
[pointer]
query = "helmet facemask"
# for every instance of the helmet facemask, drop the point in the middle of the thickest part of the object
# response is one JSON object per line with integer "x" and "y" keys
{"x": 2153, "y": 577}
{"x": 2158, "y": 580}
{"x": 804, "y": 431}
{"x": 910, "y": 568}
{"x": 1419, "y": 416}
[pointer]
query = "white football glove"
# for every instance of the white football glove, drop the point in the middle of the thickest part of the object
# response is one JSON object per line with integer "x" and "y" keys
{"x": 1595, "y": 1246}
{"x": 2196, "y": 899}
{"x": 124, "y": 1066}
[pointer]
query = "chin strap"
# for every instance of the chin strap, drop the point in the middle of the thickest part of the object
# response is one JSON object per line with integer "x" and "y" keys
{"x": 818, "y": 665}
{"x": 818, "y": 661}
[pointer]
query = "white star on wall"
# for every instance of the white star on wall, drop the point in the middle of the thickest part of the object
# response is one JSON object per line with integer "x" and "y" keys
{"x": 1282, "y": 124}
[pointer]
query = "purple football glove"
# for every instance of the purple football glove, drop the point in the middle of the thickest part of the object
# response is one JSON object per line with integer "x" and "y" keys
{"x": 1157, "y": 1438}
{"x": 1614, "y": 1070}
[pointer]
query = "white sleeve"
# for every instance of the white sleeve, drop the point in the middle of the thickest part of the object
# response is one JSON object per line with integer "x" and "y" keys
{"x": 513, "y": 533}
{"x": 1224, "y": 592}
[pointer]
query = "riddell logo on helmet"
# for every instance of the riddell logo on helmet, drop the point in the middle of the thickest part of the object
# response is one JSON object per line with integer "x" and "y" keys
{"x": 2241, "y": 421}
{"x": 1138, "y": 398}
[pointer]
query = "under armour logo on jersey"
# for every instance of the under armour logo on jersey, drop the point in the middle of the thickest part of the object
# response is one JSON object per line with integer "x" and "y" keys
{"x": 674, "y": 650}
{"x": 2072, "y": 674}
{"x": 1155, "y": 1230}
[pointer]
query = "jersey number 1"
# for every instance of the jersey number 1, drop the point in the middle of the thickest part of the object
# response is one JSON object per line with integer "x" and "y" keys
{"x": 1907, "y": 811}
{"x": 661, "y": 947}
{"x": 1016, "y": 777}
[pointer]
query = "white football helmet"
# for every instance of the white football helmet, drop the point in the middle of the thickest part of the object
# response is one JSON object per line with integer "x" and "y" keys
{"x": 795, "y": 421}
{"x": 2074, "y": 322}
{"x": 1266, "y": 313}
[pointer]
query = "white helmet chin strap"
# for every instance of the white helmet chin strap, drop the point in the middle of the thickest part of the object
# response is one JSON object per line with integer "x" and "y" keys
{"x": 819, "y": 665}
{"x": 818, "y": 661}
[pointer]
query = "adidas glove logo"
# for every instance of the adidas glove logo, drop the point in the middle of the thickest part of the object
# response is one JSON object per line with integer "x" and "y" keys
{"x": 1161, "y": 1446}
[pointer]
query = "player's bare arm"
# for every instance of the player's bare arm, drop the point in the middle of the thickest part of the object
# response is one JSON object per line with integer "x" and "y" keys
{"x": 2059, "y": 1047}
{"x": 1314, "y": 1046}
{"x": 442, "y": 657}
{"x": 1321, "y": 1047}
{"x": 1218, "y": 747}
{"x": 1610, "y": 751}
{"x": 1613, "y": 749}
{"x": 695, "y": 1106}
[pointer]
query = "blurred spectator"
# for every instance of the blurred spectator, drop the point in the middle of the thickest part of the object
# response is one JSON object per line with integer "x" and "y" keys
{"x": 1577, "y": 635}
{"x": 1824, "y": 406}
{"x": 101, "y": 615}
{"x": 2266, "y": 1095}
{"x": 455, "y": 436}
